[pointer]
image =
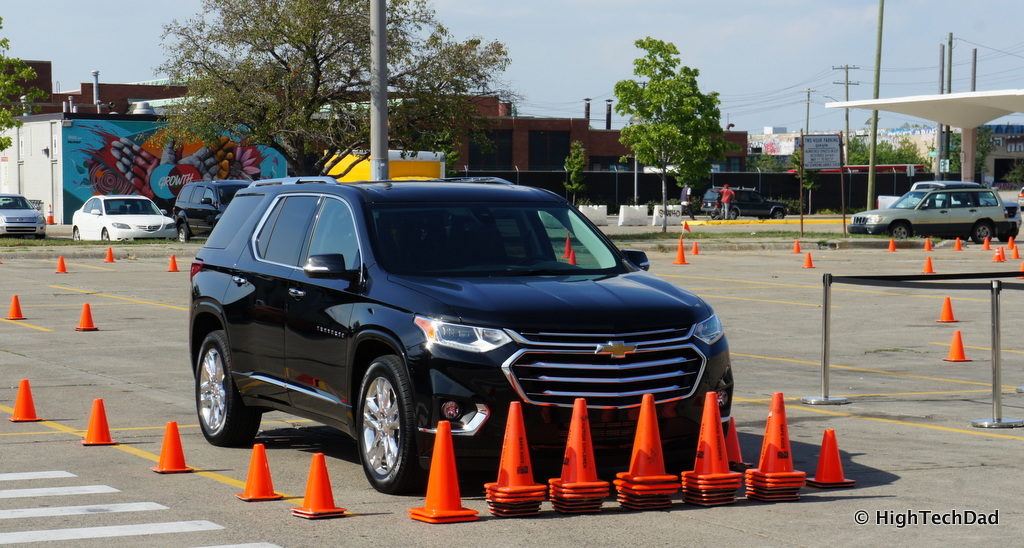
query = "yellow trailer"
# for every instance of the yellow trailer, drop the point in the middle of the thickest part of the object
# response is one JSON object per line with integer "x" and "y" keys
{"x": 424, "y": 165}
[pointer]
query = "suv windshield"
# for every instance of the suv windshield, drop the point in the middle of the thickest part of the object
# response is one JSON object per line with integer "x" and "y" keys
{"x": 14, "y": 202}
{"x": 909, "y": 200}
{"x": 130, "y": 206}
{"x": 486, "y": 240}
{"x": 226, "y": 193}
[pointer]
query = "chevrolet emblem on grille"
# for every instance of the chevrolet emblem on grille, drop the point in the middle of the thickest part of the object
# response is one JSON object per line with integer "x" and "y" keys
{"x": 617, "y": 349}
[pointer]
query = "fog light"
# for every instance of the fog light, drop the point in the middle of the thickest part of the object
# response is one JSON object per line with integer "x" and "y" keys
{"x": 451, "y": 410}
{"x": 723, "y": 398}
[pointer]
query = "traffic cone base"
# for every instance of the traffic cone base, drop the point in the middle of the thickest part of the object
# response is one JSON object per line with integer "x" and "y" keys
{"x": 85, "y": 322}
{"x": 946, "y": 316}
{"x": 774, "y": 479}
{"x": 24, "y": 407}
{"x": 956, "y": 349}
{"x": 15, "y": 311}
{"x": 515, "y": 492}
{"x": 98, "y": 432}
{"x": 258, "y": 483}
{"x": 318, "y": 502}
{"x": 808, "y": 263}
{"x": 172, "y": 457}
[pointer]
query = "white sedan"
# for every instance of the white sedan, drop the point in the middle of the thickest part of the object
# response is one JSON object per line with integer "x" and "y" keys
{"x": 121, "y": 218}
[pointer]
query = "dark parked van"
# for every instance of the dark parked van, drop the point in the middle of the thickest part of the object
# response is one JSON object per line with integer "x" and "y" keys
{"x": 199, "y": 206}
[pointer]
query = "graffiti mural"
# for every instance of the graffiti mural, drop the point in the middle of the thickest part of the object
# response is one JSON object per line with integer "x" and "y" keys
{"x": 134, "y": 157}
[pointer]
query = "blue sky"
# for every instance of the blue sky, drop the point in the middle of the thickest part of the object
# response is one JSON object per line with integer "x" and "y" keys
{"x": 759, "y": 56}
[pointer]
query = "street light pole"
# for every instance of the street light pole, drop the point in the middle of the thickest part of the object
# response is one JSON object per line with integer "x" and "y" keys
{"x": 378, "y": 91}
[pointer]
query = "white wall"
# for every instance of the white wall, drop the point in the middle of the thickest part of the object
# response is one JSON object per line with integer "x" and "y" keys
{"x": 30, "y": 171}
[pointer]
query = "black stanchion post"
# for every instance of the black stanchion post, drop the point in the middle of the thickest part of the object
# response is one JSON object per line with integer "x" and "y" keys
{"x": 997, "y": 420}
{"x": 826, "y": 335}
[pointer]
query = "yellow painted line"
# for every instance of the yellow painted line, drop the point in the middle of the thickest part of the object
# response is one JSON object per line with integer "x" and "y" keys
{"x": 81, "y": 265}
{"x": 973, "y": 432}
{"x": 731, "y": 298}
{"x": 865, "y": 370}
{"x": 138, "y": 301}
{"x": 711, "y": 222}
{"x": 23, "y": 324}
{"x": 980, "y": 348}
{"x": 835, "y": 288}
{"x": 67, "y": 305}
{"x": 942, "y": 393}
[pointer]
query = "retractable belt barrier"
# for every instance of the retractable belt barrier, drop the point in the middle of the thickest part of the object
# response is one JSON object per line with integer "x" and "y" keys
{"x": 924, "y": 281}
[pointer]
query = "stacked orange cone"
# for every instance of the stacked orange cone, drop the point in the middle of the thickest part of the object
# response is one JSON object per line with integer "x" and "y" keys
{"x": 646, "y": 486}
{"x": 318, "y": 502}
{"x": 711, "y": 482}
{"x": 830, "y": 467}
{"x": 578, "y": 490}
{"x": 732, "y": 446}
{"x": 958, "y": 245}
{"x": 172, "y": 457}
{"x": 515, "y": 493}
{"x": 258, "y": 483}
{"x": 774, "y": 479}
{"x": 24, "y": 407}
{"x": 444, "y": 502}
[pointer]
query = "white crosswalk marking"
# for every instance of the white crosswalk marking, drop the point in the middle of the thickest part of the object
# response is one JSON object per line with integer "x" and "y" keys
{"x": 56, "y": 491}
{"x": 77, "y": 510}
{"x": 109, "y": 531}
{"x": 36, "y": 475}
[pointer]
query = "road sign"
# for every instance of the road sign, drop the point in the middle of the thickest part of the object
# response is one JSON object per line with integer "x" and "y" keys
{"x": 944, "y": 165}
{"x": 822, "y": 152}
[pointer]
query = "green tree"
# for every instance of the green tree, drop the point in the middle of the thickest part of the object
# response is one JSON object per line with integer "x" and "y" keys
{"x": 985, "y": 144}
{"x": 765, "y": 162}
{"x": 1015, "y": 175}
{"x": 903, "y": 152}
{"x": 14, "y": 73}
{"x": 677, "y": 126}
{"x": 295, "y": 75}
{"x": 574, "y": 164}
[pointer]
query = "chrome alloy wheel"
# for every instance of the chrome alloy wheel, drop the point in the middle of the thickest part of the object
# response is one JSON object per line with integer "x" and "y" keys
{"x": 381, "y": 426}
{"x": 212, "y": 395}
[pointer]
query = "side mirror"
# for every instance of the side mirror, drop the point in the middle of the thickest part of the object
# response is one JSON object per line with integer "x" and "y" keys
{"x": 206, "y": 201}
{"x": 924, "y": 205}
{"x": 163, "y": 212}
{"x": 331, "y": 265}
{"x": 95, "y": 212}
{"x": 638, "y": 258}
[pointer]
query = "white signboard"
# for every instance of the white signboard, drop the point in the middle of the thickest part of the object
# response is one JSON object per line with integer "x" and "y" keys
{"x": 822, "y": 152}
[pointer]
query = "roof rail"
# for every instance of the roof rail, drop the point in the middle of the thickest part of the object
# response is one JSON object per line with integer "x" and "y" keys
{"x": 493, "y": 180}
{"x": 297, "y": 181}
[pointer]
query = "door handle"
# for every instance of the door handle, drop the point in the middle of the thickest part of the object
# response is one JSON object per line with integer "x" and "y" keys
{"x": 973, "y": 210}
{"x": 296, "y": 293}
{"x": 239, "y": 280}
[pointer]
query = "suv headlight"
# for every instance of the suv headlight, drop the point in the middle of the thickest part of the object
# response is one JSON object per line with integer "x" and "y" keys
{"x": 872, "y": 219}
{"x": 122, "y": 226}
{"x": 709, "y": 330}
{"x": 462, "y": 337}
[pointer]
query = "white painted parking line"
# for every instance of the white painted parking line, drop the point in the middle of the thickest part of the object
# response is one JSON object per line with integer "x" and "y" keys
{"x": 77, "y": 510}
{"x": 36, "y": 475}
{"x": 56, "y": 491}
{"x": 76, "y": 533}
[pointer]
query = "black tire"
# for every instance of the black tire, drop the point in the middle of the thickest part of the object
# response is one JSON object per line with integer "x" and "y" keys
{"x": 223, "y": 418}
{"x": 900, "y": 230}
{"x": 183, "y": 232}
{"x": 734, "y": 213}
{"x": 400, "y": 471}
{"x": 104, "y": 235}
{"x": 980, "y": 231}
{"x": 778, "y": 214}
{"x": 1005, "y": 236}
{"x": 75, "y": 235}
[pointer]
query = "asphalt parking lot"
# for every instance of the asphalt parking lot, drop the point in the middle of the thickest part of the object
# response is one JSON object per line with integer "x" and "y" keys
{"x": 906, "y": 436}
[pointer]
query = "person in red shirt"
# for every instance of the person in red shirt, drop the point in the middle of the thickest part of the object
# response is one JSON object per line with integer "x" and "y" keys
{"x": 725, "y": 196}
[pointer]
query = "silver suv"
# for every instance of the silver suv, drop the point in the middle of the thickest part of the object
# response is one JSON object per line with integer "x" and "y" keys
{"x": 953, "y": 210}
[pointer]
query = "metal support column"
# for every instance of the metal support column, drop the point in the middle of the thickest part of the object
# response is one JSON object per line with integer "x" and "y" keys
{"x": 826, "y": 307}
{"x": 997, "y": 420}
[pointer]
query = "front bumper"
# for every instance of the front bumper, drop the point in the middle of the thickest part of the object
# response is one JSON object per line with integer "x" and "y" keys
{"x": 867, "y": 229}
{"x": 23, "y": 229}
{"x": 135, "y": 233}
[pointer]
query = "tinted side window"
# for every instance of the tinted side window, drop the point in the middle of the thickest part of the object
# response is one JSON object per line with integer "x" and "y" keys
{"x": 185, "y": 196}
{"x": 962, "y": 199}
{"x": 335, "y": 232}
{"x": 287, "y": 236}
{"x": 987, "y": 199}
{"x": 208, "y": 193}
{"x": 232, "y": 220}
{"x": 92, "y": 204}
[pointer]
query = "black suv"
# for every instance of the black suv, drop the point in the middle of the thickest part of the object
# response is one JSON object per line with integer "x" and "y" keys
{"x": 200, "y": 205}
{"x": 747, "y": 201}
{"x": 382, "y": 308}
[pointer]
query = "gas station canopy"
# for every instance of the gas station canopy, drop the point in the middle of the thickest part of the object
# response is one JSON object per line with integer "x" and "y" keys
{"x": 963, "y": 110}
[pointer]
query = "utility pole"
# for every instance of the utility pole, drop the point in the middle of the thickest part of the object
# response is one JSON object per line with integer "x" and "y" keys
{"x": 846, "y": 83}
{"x": 874, "y": 114}
{"x": 940, "y": 134}
{"x": 949, "y": 89}
{"x": 807, "y": 117}
{"x": 378, "y": 91}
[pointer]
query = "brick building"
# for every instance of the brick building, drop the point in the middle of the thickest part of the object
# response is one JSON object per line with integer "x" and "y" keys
{"x": 116, "y": 98}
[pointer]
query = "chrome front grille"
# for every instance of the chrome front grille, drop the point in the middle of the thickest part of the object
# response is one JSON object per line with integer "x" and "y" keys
{"x": 148, "y": 228}
{"x": 609, "y": 370}
{"x": 860, "y": 220}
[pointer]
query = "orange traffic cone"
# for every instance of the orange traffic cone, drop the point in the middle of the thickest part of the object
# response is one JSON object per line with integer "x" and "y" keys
{"x": 98, "y": 432}
{"x": 15, "y": 312}
{"x": 572, "y": 256}
{"x": 172, "y": 264}
{"x": 927, "y": 266}
{"x": 947, "y": 312}
{"x": 732, "y": 448}
{"x": 686, "y": 226}
{"x": 1021, "y": 277}
{"x": 928, "y": 244}
{"x": 1014, "y": 253}
{"x": 318, "y": 503}
{"x": 258, "y": 483}
{"x": 711, "y": 482}
{"x": 680, "y": 253}
{"x": 1011, "y": 243}
{"x": 892, "y": 245}
{"x": 444, "y": 503}
{"x": 85, "y": 322}
{"x": 515, "y": 493}
{"x": 24, "y": 407}
{"x": 987, "y": 244}
{"x": 61, "y": 267}
{"x": 830, "y": 467}
{"x": 956, "y": 349}
{"x": 695, "y": 249}
{"x": 997, "y": 257}
{"x": 774, "y": 479}
{"x": 646, "y": 486}
{"x": 796, "y": 246}
{"x": 568, "y": 246}
{"x": 958, "y": 244}
{"x": 578, "y": 490}
{"x": 110, "y": 256}
{"x": 808, "y": 263}
{"x": 172, "y": 457}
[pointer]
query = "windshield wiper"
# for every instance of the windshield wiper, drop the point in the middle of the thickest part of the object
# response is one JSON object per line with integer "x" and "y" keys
{"x": 534, "y": 272}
